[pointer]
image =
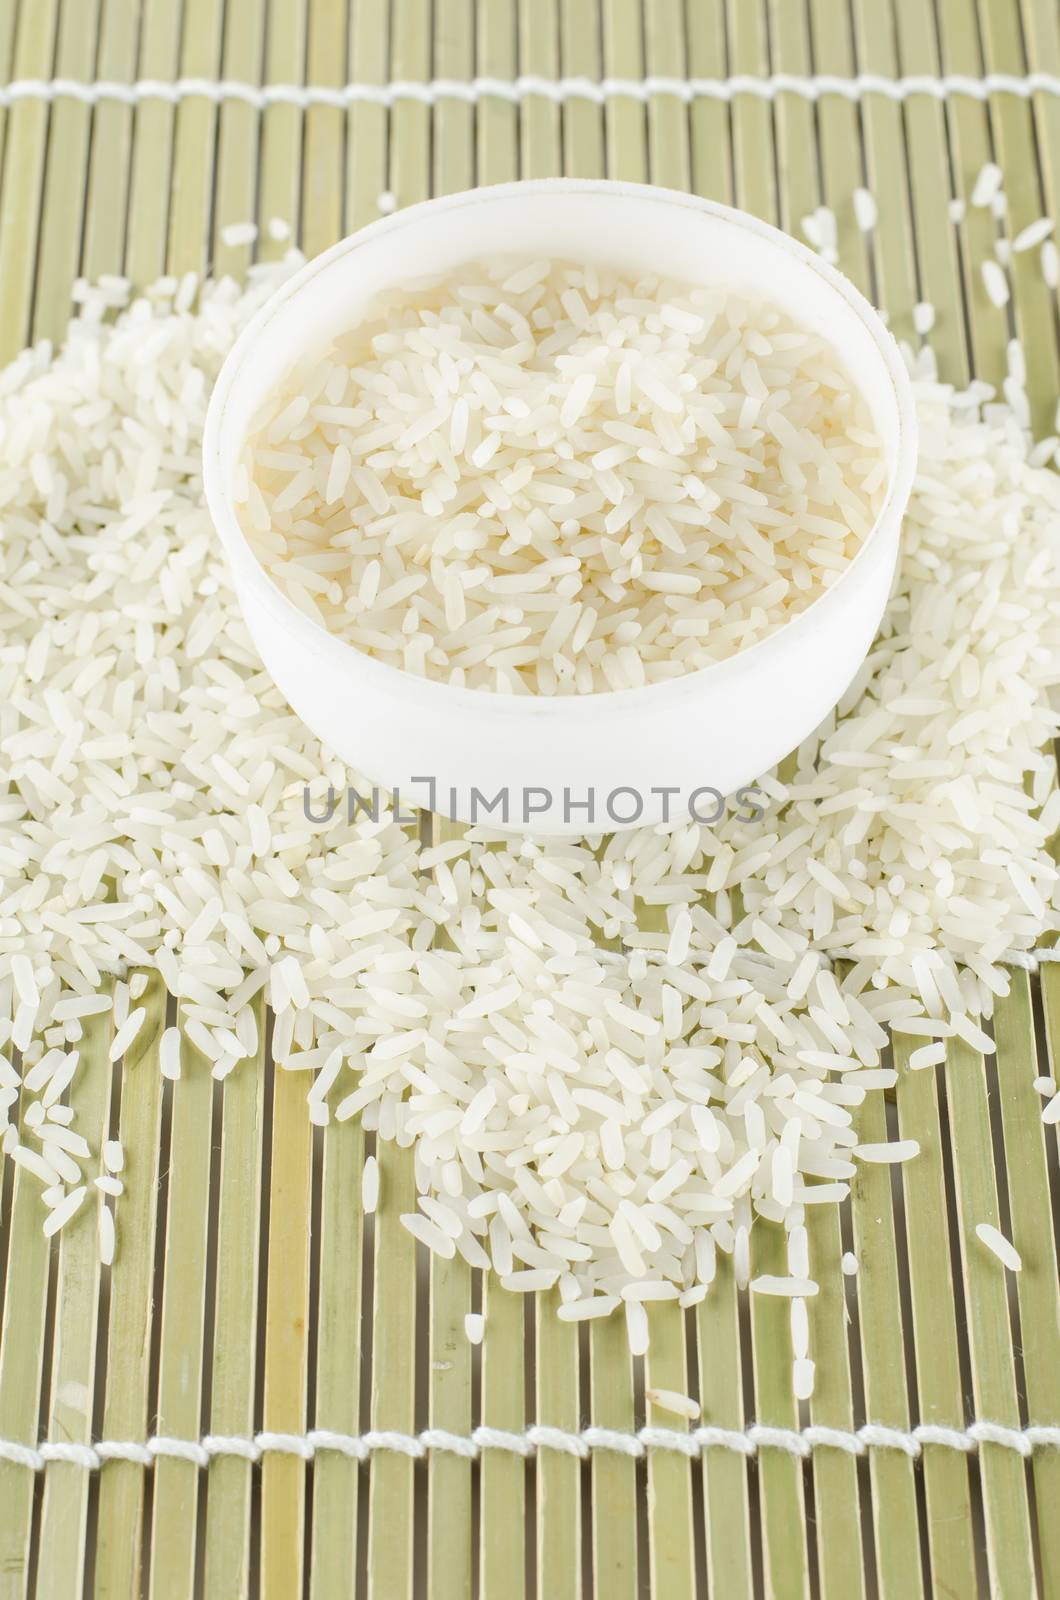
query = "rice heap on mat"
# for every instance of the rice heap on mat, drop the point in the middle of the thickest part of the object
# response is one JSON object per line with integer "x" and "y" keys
{"x": 611, "y": 1056}
{"x": 542, "y": 478}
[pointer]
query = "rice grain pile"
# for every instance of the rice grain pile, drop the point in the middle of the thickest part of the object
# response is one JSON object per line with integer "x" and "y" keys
{"x": 539, "y": 478}
{"x": 609, "y": 1063}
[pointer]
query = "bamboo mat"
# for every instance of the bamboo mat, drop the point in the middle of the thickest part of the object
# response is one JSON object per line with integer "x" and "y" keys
{"x": 249, "y": 1293}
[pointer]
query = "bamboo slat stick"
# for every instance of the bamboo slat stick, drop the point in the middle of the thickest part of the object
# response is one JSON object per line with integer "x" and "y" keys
{"x": 283, "y": 1477}
{"x": 839, "y": 138}
{"x": 669, "y": 161}
{"x": 583, "y": 122}
{"x": 325, "y": 129}
{"x": 1034, "y": 1237}
{"x": 23, "y": 175}
{"x": 449, "y": 1547}
{"x": 614, "y": 1477}
{"x": 152, "y": 145}
{"x": 390, "y": 1527}
{"x": 951, "y": 1550}
{"x": 782, "y": 1510}
{"x": 559, "y": 1509}
{"x": 709, "y": 120}
{"x": 279, "y": 191}
{"x": 238, "y": 1227}
{"x": 502, "y": 1560}
{"x": 752, "y": 117}
{"x": 453, "y": 130}
{"x": 794, "y": 117}
{"x": 725, "y": 1487}
{"x": 63, "y": 1532}
{"x": 888, "y": 176}
{"x": 840, "y": 1559}
{"x": 238, "y": 128}
{"x": 626, "y": 132}
{"x": 496, "y": 120}
{"x": 1013, "y": 128}
{"x": 366, "y": 151}
{"x": 110, "y": 157}
{"x": 1002, "y": 1475}
{"x": 968, "y": 122}
{"x": 929, "y": 178}
{"x": 181, "y": 1362}
{"x": 671, "y": 1544}
{"x": 539, "y": 118}
{"x": 894, "y": 1506}
{"x": 126, "y": 1405}
{"x": 194, "y": 140}
{"x": 63, "y": 197}
{"x": 1041, "y": 36}
{"x": 21, "y": 1370}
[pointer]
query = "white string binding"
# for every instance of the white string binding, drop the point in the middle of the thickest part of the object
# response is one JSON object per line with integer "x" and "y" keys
{"x": 471, "y": 91}
{"x": 748, "y": 1442}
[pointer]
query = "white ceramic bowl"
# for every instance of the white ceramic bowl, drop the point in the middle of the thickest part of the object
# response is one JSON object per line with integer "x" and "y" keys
{"x": 715, "y": 729}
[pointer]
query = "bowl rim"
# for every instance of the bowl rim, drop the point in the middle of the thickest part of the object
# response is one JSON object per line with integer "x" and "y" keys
{"x": 433, "y": 694}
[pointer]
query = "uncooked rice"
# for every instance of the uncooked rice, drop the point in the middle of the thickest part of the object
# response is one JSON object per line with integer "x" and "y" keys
{"x": 585, "y": 1111}
{"x": 539, "y": 478}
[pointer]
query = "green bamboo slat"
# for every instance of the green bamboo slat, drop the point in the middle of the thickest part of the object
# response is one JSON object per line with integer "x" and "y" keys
{"x": 238, "y": 125}
{"x": 194, "y": 138}
{"x": 21, "y": 1370}
{"x": 671, "y": 1543}
{"x": 1013, "y": 126}
{"x": 626, "y": 141}
{"x": 559, "y": 1510}
{"x": 23, "y": 175}
{"x": 283, "y": 1476}
{"x": 1050, "y": 982}
{"x": 1002, "y": 1473}
{"x": 752, "y": 117}
{"x": 796, "y": 166}
{"x": 8, "y": 18}
{"x": 894, "y": 1507}
{"x": 22, "y": 1346}
{"x": 539, "y": 118}
{"x": 366, "y": 156}
{"x": 390, "y": 1502}
{"x": 1034, "y": 1237}
{"x": 175, "y": 1503}
{"x": 583, "y": 121}
{"x": 502, "y": 1559}
{"x": 614, "y": 1476}
{"x": 925, "y": 126}
{"x": 64, "y": 1514}
{"x": 725, "y": 1488}
{"x": 410, "y": 122}
{"x": 338, "y": 1372}
{"x": 111, "y": 153}
{"x": 1041, "y": 34}
{"x": 782, "y": 1508}
{"x": 970, "y": 147}
{"x": 152, "y": 145}
{"x": 840, "y": 1561}
{"x": 951, "y": 1550}
{"x": 238, "y": 1224}
{"x": 709, "y": 120}
{"x": 888, "y": 177}
{"x": 126, "y": 1406}
{"x": 669, "y": 161}
{"x": 281, "y": 126}
{"x": 63, "y": 199}
{"x": 839, "y": 144}
{"x": 325, "y": 128}
{"x": 496, "y": 120}
{"x": 449, "y": 1553}
{"x": 454, "y": 121}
